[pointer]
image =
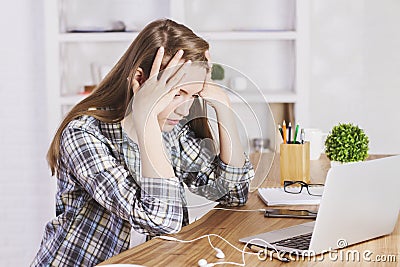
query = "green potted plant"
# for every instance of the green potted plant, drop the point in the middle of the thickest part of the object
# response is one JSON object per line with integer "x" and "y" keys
{"x": 217, "y": 72}
{"x": 346, "y": 143}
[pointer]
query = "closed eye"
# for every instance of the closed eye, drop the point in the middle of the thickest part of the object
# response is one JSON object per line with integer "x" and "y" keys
{"x": 193, "y": 96}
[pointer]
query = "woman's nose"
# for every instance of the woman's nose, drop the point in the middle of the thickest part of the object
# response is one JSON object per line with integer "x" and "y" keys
{"x": 184, "y": 107}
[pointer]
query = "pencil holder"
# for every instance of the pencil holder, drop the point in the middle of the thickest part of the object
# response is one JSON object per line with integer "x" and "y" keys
{"x": 295, "y": 162}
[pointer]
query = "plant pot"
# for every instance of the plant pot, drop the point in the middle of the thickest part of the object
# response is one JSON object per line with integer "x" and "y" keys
{"x": 337, "y": 163}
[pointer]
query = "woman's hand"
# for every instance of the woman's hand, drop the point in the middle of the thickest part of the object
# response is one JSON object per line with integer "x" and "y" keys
{"x": 149, "y": 100}
{"x": 157, "y": 92}
{"x": 231, "y": 152}
{"x": 214, "y": 95}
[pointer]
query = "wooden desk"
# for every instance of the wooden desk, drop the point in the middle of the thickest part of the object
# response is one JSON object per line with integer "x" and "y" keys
{"x": 234, "y": 225}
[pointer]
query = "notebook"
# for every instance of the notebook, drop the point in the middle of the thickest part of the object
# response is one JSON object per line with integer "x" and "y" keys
{"x": 360, "y": 202}
{"x": 275, "y": 196}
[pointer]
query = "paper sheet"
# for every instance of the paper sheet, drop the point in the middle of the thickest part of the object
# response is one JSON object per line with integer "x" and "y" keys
{"x": 198, "y": 206}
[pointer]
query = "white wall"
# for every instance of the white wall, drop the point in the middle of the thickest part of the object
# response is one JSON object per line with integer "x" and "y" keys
{"x": 355, "y": 68}
{"x": 25, "y": 198}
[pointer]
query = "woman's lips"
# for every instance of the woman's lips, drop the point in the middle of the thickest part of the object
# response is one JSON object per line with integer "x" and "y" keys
{"x": 172, "y": 122}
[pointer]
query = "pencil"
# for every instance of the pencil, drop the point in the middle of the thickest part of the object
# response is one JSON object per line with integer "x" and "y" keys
{"x": 302, "y": 136}
{"x": 296, "y": 131}
{"x": 289, "y": 140}
{"x": 284, "y": 131}
{"x": 280, "y": 130}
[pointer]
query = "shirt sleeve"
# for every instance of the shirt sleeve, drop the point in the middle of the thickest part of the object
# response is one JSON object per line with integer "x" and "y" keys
{"x": 152, "y": 208}
{"x": 207, "y": 175}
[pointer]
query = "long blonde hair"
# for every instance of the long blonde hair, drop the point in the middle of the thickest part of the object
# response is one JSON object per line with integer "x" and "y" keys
{"x": 114, "y": 91}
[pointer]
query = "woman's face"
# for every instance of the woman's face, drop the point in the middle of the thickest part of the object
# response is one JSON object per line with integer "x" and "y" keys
{"x": 179, "y": 107}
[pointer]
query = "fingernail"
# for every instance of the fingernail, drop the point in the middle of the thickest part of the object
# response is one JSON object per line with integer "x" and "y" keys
{"x": 161, "y": 50}
{"x": 189, "y": 61}
{"x": 180, "y": 52}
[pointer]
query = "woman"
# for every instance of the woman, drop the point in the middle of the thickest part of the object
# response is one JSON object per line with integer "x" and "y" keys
{"x": 123, "y": 154}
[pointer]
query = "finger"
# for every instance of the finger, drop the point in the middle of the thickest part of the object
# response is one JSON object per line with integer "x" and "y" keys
{"x": 170, "y": 94}
{"x": 207, "y": 55}
{"x": 175, "y": 81}
{"x": 208, "y": 75}
{"x": 170, "y": 69}
{"x": 207, "y": 80}
{"x": 175, "y": 60}
{"x": 155, "y": 68}
{"x": 135, "y": 86}
{"x": 178, "y": 76}
{"x": 175, "y": 69}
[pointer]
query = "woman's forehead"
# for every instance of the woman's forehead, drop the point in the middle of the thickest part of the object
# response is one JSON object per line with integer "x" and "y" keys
{"x": 195, "y": 75}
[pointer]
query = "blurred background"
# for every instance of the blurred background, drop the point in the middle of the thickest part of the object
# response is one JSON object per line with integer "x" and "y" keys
{"x": 314, "y": 62}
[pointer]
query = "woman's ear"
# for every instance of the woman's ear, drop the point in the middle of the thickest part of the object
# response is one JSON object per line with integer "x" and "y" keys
{"x": 138, "y": 79}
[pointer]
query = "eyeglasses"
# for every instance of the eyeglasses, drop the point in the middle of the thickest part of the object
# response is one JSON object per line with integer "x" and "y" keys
{"x": 295, "y": 187}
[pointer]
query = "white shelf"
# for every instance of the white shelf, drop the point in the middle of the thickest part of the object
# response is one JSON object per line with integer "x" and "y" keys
{"x": 216, "y": 36}
{"x": 250, "y": 48}
{"x": 267, "y": 97}
{"x": 97, "y": 37}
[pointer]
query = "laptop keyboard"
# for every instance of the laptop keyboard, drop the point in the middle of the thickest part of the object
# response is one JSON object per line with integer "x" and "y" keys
{"x": 301, "y": 242}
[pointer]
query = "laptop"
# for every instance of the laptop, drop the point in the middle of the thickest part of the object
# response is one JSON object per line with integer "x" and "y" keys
{"x": 360, "y": 202}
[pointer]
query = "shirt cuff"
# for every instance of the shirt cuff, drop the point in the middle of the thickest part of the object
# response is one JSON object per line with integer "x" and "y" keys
{"x": 160, "y": 189}
{"x": 235, "y": 174}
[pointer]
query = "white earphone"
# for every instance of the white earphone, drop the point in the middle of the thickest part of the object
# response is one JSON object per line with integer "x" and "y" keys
{"x": 203, "y": 263}
{"x": 220, "y": 254}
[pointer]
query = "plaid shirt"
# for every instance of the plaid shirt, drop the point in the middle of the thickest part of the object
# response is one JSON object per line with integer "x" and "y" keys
{"x": 101, "y": 193}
